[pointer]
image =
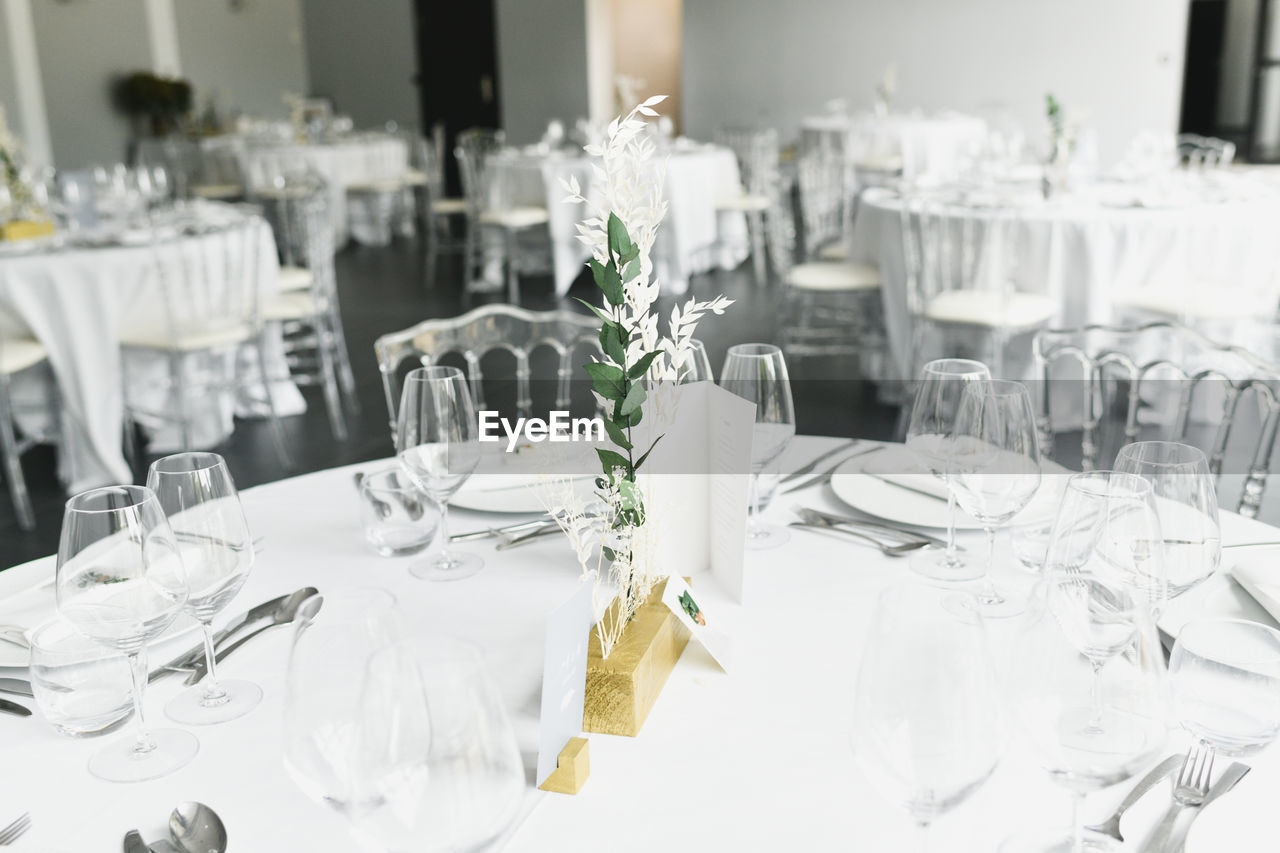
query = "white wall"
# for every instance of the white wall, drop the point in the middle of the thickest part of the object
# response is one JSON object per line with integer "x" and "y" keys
{"x": 246, "y": 57}
{"x": 1118, "y": 60}
{"x": 367, "y": 61}
{"x": 542, "y": 65}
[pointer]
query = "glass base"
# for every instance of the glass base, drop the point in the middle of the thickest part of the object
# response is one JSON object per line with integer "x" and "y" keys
{"x": 118, "y": 762}
{"x": 447, "y": 566}
{"x": 189, "y": 707}
{"x": 1062, "y": 841}
{"x": 994, "y": 603}
{"x": 766, "y": 536}
{"x": 933, "y": 564}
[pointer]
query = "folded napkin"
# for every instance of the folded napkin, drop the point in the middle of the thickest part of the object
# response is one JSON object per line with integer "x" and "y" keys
{"x": 1261, "y": 580}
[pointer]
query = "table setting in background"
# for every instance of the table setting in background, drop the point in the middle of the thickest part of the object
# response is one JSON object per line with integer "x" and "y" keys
{"x": 516, "y": 639}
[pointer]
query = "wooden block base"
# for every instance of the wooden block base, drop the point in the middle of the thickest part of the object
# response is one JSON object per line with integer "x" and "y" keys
{"x": 572, "y": 768}
{"x": 622, "y": 690}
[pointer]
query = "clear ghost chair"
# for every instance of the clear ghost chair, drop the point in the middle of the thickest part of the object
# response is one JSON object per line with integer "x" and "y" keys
{"x": 180, "y": 157}
{"x": 477, "y": 333}
{"x": 1159, "y": 381}
{"x": 757, "y": 153}
{"x": 222, "y": 169}
{"x": 1205, "y": 152}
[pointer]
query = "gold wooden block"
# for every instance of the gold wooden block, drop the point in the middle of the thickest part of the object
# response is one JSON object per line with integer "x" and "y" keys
{"x": 621, "y": 690}
{"x": 25, "y": 229}
{"x": 572, "y": 768}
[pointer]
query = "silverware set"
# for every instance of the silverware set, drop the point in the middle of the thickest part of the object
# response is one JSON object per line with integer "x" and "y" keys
{"x": 900, "y": 541}
{"x": 15, "y": 830}
{"x": 825, "y": 476}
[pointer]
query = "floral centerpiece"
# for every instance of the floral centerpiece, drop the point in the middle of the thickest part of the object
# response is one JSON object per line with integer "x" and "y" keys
{"x": 1062, "y": 145}
{"x": 160, "y": 102}
{"x": 636, "y": 373}
{"x": 11, "y": 158}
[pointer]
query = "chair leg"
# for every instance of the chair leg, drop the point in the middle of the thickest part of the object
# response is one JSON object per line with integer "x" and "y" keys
{"x": 755, "y": 225}
{"x": 13, "y": 468}
{"x": 342, "y": 358}
{"x": 468, "y": 255}
{"x": 326, "y": 346}
{"x": 273, "y": 419}
{"x": 513, "y": 279}
{"x": 180, "y": 390}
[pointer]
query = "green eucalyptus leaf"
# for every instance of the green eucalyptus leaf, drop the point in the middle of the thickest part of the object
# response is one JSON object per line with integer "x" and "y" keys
{"x": 594, "y": 310}
{"x": 607, "y": 379}
{"x": 617, "y": 435}
{"x": 634, "y": 419}
{"x": 640, "y": 367}
{"x": 609, "y": 553}
{"x": 631, "y": 270}
{"x": 635, "y": 396}
{"x": 611, "y": 460}
{"x": 640, "y": 461}
{"x": 619, "y": 242}
{"x": 611, "y": 345}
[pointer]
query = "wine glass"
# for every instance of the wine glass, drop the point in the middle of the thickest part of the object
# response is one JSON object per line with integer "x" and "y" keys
{"x": 1088, "y": 725}
{"x": 439, "y": 448}
{"x": 995, "y": 469}
{"x": 1187, "y": 503}
{"x": 931, "y": 437}
{"x": 757, "y": 372}
{"x": 120, "y": 581}
{"x": 927, "y": 728}
{"x": 695, "y": 366}
{"x": 336, "y": 636}
{"x": 196, "y": 492}
{"x": 1225, "y": 675}
{"x": 437, "y": 758}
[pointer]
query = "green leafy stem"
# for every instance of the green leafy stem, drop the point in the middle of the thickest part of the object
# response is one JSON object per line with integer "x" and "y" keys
{"x": 618, "y": 381}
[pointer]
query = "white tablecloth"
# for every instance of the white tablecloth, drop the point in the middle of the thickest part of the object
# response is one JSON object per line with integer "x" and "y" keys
{"x": 77, "y": 302}
{"x": 754, "y": 760}
{"x": 693, "y": 238}
{"x": 1093, "y": 252}
{"x": 919, "y": 144}
{"x": 362, "y": 160}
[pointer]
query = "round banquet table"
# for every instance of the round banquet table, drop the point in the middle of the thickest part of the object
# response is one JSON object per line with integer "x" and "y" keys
{"x": 919, "y": 144}
{"x": 756, "y": 759}
{"x": 77, "y": 301}
{"x": 361, "y": 160}
{"x": 1103, "y": 253}
{"x": 694, "y": 236}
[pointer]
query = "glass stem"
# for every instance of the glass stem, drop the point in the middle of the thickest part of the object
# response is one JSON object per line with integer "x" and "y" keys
{"x": 1077, "y": 822}
{"x": 1095, "y": 698}
{"x": 138, "y": 669}
{"x": 922, "y": 837}
{"x": 213, "y": 691}
{"x": 444, "y": 530}
{"x": 989, "y": 593}
{"x": 951, "y": 557}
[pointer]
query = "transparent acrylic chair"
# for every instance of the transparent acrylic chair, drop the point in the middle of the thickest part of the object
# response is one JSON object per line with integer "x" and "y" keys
{"x": 474, "y": 335}
{"x": 19, "y": 356}
{"x": 1106, "y": 386}
{"x": 757, "y": 152}
{"x": 1205, "y": 152}
{"x": 487, "y": 209}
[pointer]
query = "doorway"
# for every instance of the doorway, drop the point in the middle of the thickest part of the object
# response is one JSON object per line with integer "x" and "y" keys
{"x": 633, "y": 51}
{"x": 457, "y": 71}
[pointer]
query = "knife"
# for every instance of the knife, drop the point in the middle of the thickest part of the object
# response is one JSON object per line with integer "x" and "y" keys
{"x": 192, "y": 655}
{"x": 1234, "y": 774}
{"x": 1111, "y": 826}
{"x": 14, "y": 708}
{"x": 829, "y": 518}
{"x": 826, "y": 475}
{"x": 917, "y": 489}
{"x": 133, "y": 842}
{"x": 16, "y": 685}
{"x": 808, "y": 469}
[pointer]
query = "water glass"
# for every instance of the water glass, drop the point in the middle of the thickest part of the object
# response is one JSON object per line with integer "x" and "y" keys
{"x": 82, "y": 689}
{"x": 1187, "y": 503}
{"x": 399, "y": 520}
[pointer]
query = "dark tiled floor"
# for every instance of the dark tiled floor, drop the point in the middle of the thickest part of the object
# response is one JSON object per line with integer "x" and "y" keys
{"x": 386, "y": 289}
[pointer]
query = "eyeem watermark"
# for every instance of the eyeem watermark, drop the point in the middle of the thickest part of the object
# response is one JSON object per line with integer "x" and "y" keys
{"x": 558, "y": 427}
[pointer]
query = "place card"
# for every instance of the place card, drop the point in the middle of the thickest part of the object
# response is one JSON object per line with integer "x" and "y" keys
{"x": 701, "y": 624}
{"x": 564, "y": 677}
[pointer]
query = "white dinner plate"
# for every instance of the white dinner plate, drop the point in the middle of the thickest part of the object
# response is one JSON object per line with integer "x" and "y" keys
{"x": 1219, "y": 597}
{"x": 903, "y": 505}
{"x": 527, "y": 480}
{"x": 27, "y": 600}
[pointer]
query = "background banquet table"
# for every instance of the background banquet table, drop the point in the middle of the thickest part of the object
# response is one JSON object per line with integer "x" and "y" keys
{"x": 756, "y": 759}
{"x": 361, "y": 160}
{"x": 1097, "y": 252}
{"x": 694, "y": 238}
{"x": 78, "y": 301}
{"x": 919, "y": 144}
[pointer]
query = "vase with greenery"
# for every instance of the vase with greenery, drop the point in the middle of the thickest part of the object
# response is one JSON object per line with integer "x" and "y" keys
{"x": 159, "y": 103}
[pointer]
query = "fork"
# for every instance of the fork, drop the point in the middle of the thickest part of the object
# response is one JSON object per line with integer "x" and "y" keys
{"x": 14, "y": 831}
{"x": 1188, "y": 792}
{"x": 890, "y": 550}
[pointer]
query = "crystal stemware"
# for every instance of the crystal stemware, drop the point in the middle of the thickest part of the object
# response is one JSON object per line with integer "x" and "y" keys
{"x": 1087, "y": 690}
{"x": 1187, "y": 503}
{"x": 931, "y": 437}
{"x": 198, "y": 495}
{"x": 928, "y": 728}
{"x": 436, "y": 755}
{"x": 438, "y": 441}
{"x": 995, "y": 469}
{"x": 120, "y": 581}
{"x": 758, "y": 373}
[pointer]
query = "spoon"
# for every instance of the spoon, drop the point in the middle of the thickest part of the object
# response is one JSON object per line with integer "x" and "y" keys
{"x": 283, "y": 615}
{"x": 196, "y": 828}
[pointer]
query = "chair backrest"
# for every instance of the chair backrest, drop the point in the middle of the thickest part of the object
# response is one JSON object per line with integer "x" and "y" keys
{"x": 487, "y": 329}
{"x": 179, "y": 156}
{"x": 474, "y": 147}
{"x": 222, "y": 161}
{"x": 824, "y": 181}
{"x": 301, "y": 218}
{"x": 1205, "y": 152}
{"x": 1127, "y": 378}
{"x": 757, "y": 151}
